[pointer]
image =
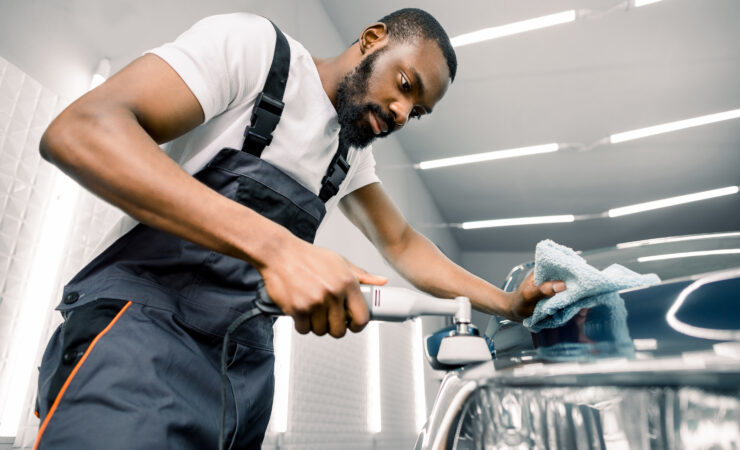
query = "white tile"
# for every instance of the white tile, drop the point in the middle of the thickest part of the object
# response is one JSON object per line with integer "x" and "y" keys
{"x": 6, "y": 183}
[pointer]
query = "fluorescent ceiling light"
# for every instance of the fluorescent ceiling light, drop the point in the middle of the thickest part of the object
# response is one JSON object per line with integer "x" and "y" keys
{"x": 488, "y": 156}
{"x": 283, "y": 337}
{"x": 673, "y": 126}
{"x": 102, "y": 72}
{"x": 725, "y": 251}
{"x": 639, "y": 3}
{"x": 373, "y": 377}
{"x": 640, "y": 207}
{"x": 519, "y": 221}
{"x": 514, "y": 28}
{"x": 97, "y": 80}
{"x": 667, "y": 240}
{"x": 40, "y": 290}
{"x": 417, "y": 337}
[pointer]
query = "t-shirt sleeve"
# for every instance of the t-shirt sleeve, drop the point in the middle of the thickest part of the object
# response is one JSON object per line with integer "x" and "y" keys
{"x": 365, "y": 173}
{"x": 222, "y": 59}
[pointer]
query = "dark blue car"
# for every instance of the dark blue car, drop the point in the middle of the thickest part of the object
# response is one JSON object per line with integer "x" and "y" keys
{"x": 657, "y": 369}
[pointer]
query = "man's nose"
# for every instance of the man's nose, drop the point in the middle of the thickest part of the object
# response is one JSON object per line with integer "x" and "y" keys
{"x": 400, "y": 110}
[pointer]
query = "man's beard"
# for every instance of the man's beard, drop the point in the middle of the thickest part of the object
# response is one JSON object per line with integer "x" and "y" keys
{"x": 352, "y": 114}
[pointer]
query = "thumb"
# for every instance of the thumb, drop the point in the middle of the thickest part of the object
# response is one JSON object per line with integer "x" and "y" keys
{"x": 550, "y": 288}
{"x": 369, "y": 278}
{"x": 365, "y": 277}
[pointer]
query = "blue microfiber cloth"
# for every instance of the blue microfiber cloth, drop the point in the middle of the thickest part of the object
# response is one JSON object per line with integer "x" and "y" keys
{"x": 586, "y": 286}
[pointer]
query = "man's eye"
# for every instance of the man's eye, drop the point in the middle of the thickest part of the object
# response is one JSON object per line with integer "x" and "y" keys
{"x": 405, "y": 84}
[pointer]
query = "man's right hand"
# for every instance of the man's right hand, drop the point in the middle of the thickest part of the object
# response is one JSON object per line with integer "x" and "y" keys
{"x": 317, "y": 287}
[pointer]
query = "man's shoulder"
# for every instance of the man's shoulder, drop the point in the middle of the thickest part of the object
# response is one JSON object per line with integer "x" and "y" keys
{"x": 247, "y": 30}
{"x": 238, "y": 23}
{"x": 237, "y": 19}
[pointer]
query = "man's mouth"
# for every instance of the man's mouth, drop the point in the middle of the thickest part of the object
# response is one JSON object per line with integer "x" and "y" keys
{"x": 378, "y": 125}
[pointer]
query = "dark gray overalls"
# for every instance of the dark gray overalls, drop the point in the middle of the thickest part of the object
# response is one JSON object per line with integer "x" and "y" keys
{"x": 135, "y": 365}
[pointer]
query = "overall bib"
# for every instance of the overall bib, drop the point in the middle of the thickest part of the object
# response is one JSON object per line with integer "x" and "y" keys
{"x": 135, "y": 365}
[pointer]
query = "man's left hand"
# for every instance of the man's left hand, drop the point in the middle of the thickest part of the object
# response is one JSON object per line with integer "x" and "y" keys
{"x": 524, "y": 299}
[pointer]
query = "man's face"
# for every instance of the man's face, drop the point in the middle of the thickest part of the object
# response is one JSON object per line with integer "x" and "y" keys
{"x": 390, "y": 85}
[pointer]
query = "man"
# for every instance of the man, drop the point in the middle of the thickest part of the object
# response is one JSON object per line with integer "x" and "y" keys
{"x": 136, "y": 363}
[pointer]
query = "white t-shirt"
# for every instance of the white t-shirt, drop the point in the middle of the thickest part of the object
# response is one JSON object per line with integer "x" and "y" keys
{"x": 224, "y": 60}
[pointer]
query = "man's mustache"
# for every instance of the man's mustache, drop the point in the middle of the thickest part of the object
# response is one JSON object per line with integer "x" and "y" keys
{"x": 387, "y": 118}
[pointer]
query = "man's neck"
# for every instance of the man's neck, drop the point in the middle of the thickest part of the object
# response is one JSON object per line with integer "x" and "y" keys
{"x": 333, "y": 70}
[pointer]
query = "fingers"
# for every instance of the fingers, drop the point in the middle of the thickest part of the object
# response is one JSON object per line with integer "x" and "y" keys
{"x": 368, "y": 278}
{"x": 320, "y": 290}
{"x": 532, "y": 292}
{"x": 319, "y": 323}
{"x": 302, "y": 323}
{"x": 335, "y": 315}
{"x": 365, "y": 277}
{"x": 337, "y": 319}
{"x": 550, "y": 288}
{"x": 356, "y": 309}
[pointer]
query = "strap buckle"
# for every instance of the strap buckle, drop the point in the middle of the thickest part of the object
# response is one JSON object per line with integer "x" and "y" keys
{"x": 337, "y": 172}
{"x": 265, "y": 118}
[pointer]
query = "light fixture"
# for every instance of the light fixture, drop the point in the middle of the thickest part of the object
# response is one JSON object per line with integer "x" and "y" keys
{"x": 672, "y": 201}
{"x": 102, "y": 72}
{"x": 667, "y": 240}
{"x": 283, "y": 344}
{"x": 40, "y": 289}
{"x": 514, "y": 28}
{"x": 373, "y": 377}
{"x": 517, "y": 221}
{"x": 673, "y": 126}
{"x": 639, "y": 3}
{"x": 724, "y": 251}
{"x": 420, "y": 396}
{"x": 488, "y": 156}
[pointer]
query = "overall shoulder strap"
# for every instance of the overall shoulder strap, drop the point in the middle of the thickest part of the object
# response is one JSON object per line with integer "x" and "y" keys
{"x": 335, "y": 174}
{"x": 268, "y": 107}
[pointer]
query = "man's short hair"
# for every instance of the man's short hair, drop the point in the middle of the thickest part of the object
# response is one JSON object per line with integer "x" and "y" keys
{"x": 409, "y": 24}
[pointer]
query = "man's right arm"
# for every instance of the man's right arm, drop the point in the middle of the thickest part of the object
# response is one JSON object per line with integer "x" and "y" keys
{"x": 107, "y": 141}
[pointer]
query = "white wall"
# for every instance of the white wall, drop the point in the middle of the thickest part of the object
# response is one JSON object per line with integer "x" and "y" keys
{"x": 26, "y": 188}
{"x": 52, "y": 42}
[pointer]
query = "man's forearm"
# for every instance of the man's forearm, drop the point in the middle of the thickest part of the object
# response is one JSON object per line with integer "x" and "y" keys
{"x": 427, "y": 268}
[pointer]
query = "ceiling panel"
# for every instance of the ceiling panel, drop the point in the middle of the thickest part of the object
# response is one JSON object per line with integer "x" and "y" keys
{"x": 578, "y": 83}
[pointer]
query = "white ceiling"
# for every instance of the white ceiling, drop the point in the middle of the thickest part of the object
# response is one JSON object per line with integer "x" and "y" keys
{"x": 580, "y": 82}
{"x": 575, "y": 82}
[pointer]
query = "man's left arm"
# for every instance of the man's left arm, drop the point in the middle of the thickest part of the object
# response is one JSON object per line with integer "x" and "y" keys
{"x": 420, "y": 261}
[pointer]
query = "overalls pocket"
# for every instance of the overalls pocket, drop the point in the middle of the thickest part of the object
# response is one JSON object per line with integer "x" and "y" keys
{"x": 80, "y": 328}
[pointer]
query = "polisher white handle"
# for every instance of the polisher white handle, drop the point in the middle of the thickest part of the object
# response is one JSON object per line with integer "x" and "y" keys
{"x": 394, "y": 304}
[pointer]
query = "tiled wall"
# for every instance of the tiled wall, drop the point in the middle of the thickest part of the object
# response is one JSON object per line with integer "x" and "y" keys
{"x": 26, "y": 108}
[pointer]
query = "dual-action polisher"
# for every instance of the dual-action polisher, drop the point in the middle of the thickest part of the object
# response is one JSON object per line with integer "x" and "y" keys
{"x": 395, "y": 304}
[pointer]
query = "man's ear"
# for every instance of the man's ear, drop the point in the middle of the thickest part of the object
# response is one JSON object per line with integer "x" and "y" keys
{"x": 373, "y": 37}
